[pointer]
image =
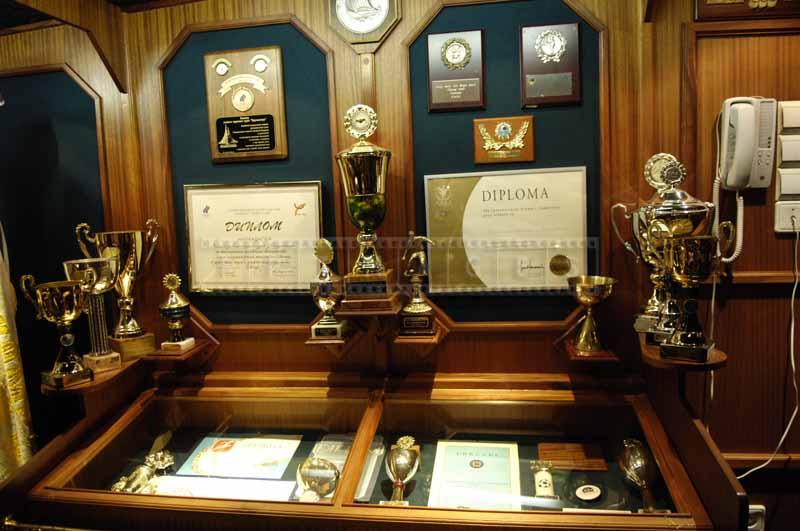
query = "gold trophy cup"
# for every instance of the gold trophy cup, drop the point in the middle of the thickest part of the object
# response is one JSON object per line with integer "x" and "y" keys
{"x": 416, "y": 317}
{"x": 134, "y": 249}
{"x": 61, "y": 303}
{"x": 402, "y": 463}
{"x": 105, "y": 270}
{"x": 318, "y": 478}
{"x": 589, "y": 290}
{"x": 363, "y": 169}
{"x": 175, "y": 309}
{"x": 326, "y": 291}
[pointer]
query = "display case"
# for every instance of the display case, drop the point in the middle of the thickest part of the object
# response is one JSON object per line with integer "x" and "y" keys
{"x": 576, "y": 434}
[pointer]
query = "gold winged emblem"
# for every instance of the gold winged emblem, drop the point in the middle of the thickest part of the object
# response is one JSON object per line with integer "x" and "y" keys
{"x": 517, "y": 142}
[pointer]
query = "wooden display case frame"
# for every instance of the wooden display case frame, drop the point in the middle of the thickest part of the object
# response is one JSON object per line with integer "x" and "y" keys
{"x": 59, "y": 498}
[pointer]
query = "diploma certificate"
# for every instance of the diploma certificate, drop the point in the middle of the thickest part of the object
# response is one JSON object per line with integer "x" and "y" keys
{"x": 506, "y": 231}
{"x": 474, "y": 475}
{"x": 228, "y": 489}
{"x": 252, "y": 237}
{"x": 241, "y": 457}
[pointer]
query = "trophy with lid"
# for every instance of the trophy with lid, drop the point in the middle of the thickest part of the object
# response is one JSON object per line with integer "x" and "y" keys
{"x": 175, "y": 310}
{"x": 678, "y": 214}
{"x": 369, "y": 287}
{"x": 326, "y": 290}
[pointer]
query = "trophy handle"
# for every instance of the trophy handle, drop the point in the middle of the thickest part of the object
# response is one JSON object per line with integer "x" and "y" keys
{"x": 26, "y": 284}
{"x": 726, "y": 232}
{"x": 625, "y": 243}
{"x": 82, "y": 233}
{"x": 151, "y": 237}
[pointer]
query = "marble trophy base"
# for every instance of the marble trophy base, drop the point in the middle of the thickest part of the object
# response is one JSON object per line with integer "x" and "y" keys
{"x": 102, "y": 362}
{"x": 178, "y": 346}
{"x": 698, "y": 353}
{"x": 403, "y": 503}
{"x": 645, "y": 323}
{"x": 61, "y": 381}
{"x": 330, "y": 331}
{"x": 132, "y": 348}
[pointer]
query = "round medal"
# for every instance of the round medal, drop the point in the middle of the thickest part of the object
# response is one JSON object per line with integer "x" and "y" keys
{"x": 456, "y": 53}
{"x": 550, "y": 46}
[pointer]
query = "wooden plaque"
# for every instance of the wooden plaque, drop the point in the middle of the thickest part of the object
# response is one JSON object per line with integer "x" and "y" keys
{"x": 573, "y": 456}
{"x": 246, "y": 113}
{"x": 507, "y": 139}
{"x": 550, "y": 64}
{"x": 455, "y": 70}
{"x": 742, "y": 9}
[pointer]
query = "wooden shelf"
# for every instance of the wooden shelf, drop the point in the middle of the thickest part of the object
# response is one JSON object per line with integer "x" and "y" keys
{"x": 193, "y": 357}
{"x": 651, "y": 355}
{"x": 421, "y": 346}
{"x": 101, "y": 380}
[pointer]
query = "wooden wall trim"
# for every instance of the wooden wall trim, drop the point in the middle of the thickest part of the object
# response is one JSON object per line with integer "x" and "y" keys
{"x": 98, "y": 113}
{"x": 30, "y": 27}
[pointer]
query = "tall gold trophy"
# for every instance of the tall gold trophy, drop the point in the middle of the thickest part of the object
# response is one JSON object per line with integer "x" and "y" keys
{"x": 134, "y": 249}
{"x": 416, "y": 317}
{"x": 105, "y": 270}
{"x": 61, "y": 303}
{"x": 369, "y": 287}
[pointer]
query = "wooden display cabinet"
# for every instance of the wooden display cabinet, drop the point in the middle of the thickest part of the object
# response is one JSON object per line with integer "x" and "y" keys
{"x": 74, "y": 487}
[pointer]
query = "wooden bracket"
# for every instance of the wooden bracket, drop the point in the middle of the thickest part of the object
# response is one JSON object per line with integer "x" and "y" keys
{"x": 421, "y": 346}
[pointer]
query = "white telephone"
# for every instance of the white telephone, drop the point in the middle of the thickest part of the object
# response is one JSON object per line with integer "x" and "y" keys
{"x": 745, "y": 153}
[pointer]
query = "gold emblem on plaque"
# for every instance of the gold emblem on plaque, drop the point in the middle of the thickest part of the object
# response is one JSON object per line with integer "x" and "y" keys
{"x": 502, "y": 137}
{"x": 550, "y": 46}
{"x": 456, "y": 53}
{"x": 560, "y": 265}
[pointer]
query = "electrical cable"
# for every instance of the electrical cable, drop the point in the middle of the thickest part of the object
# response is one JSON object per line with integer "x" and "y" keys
{"x": 791, "y": 358}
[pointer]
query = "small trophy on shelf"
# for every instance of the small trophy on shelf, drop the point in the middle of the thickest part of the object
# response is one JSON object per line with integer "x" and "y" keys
{"x": 175, "y": 309}
{"x": 402, "y": 463}
{"x": 589, "y": 290}
{"x": 318, "y": 478}
{"x": 62, "y": 303}
{"x": 326, "y": 290}
{"x": 416, "y": 317}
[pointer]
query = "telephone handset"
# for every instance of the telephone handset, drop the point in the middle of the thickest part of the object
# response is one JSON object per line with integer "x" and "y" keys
{"x": 746, "y": 142}
{"x": 745, "y": 134}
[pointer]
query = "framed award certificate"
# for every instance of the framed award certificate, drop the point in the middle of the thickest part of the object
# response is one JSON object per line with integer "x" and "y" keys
{"x": 475, "y": 475}
{"x": 506, "y": 231}
{"x": 255, "y": 238}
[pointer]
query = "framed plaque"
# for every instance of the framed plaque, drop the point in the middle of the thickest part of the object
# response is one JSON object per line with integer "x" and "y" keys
{"x": 743, "y": 9}
{"x": 252, "y": 238}
{"x": 506, "y": 231}
{"x": 246, "y": 113}
{"x": 455, "y": 70}
{"x": 550, "y": 64}
{"x": 508, "y": 139}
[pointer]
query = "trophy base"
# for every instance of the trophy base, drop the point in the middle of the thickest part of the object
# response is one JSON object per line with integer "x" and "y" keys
{"x": 330, "y": 331}
{"x": 102, "y": 362}
{"x": 134, "y": 347}
{"x": 645, "y": 323}
{"x": 387, "y": 305}
{"x": 369, "y": 286}
{"x": 61, "y": 381}
{"x": 657, "y": 337}
{"x": 403, "y": 503}
{"x": 178, "y": 346}
{"x": 698, "y": 353}
{"x": 417, "y": 324}
{"x": 595, "y": 356}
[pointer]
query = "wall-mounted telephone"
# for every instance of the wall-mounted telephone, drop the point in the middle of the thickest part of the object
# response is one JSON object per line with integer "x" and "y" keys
{"x": 747, "y": 142}
{"x": 745, "y": 153}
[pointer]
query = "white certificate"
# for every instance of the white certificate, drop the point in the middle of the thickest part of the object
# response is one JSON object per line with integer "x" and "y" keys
{"x": 475, "y": 475}
{"x": 252, "y": 237}
{"x": 229, "y": 489}
{"x": 506, "y": 230}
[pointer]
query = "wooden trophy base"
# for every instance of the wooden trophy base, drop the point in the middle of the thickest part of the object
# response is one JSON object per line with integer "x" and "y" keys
{"x": 373, "y": 294}
{"x": 134, "y": 347}
{"x": 62, "y": 381}
{"x": 417, "y": 324}
{"x": 178, "y": 346}
{"x": 589, "y": 356}
{"x": 102, "y": 362}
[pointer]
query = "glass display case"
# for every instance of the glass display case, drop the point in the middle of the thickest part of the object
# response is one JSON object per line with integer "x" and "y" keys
{"x": 529, "y": 458}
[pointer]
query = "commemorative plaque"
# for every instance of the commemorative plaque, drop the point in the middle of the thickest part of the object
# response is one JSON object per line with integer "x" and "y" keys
{"x": 508, "y": 139}
{"x": 550, "y": 64}
{"x": 246, "y": 113}
{"x": 455, "y": 70}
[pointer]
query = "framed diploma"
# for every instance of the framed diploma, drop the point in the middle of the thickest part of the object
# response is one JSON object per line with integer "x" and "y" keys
{"x": 455, "y": 70}
{"x": 506, "y": 231}
{"x": 246, "y": 114}
{"x": 252, "y": 238}
{"x": 550, "y": 64}
{"x": 474, "y": 475}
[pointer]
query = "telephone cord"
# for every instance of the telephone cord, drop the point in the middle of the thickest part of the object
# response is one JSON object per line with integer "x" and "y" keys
{"x": 791, "y": 358}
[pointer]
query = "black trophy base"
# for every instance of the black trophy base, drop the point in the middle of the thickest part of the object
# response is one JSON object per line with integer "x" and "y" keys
{"x": 61, "y": 381}
{"x": 698, "y": 353}
{"x": 416, "y": 324}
